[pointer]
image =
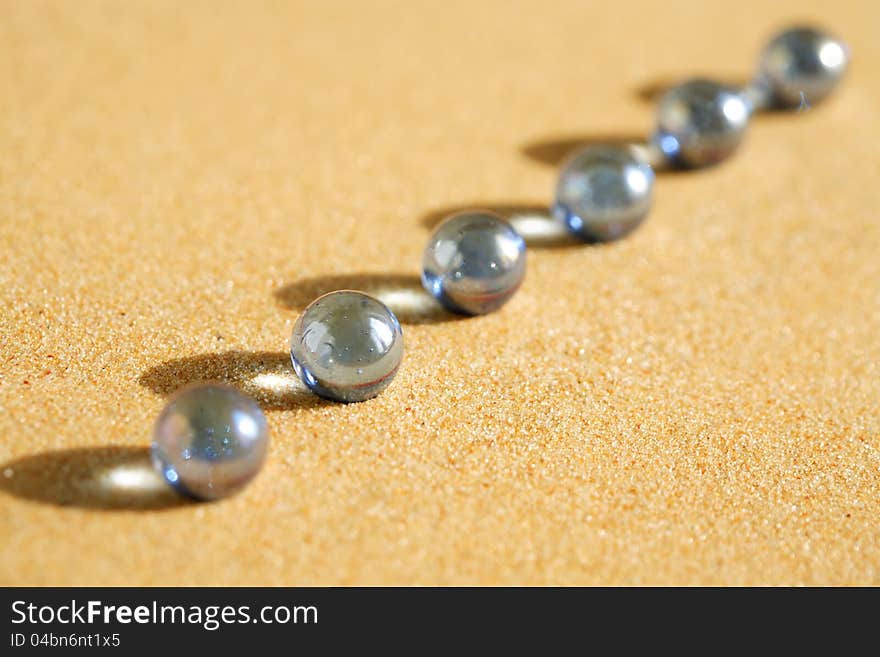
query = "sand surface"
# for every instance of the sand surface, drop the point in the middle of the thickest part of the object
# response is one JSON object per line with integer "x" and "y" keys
{"x": 696, "y": 404}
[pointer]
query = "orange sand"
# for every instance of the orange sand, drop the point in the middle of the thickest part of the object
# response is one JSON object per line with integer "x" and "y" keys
{"x": 697, "y": 404}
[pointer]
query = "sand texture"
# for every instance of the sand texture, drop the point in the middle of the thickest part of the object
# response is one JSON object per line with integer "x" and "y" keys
{"x": 695, "y": 404}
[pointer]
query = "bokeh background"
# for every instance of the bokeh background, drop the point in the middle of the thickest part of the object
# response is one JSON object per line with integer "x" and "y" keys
{"x": 696, "y": 404}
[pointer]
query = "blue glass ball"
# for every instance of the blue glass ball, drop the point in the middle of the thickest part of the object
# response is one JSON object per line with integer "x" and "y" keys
{"x": 209, "y": 441}
{"x": 604, "y": 192}
{"x": 701, "y": 122}
{"x": 346, "y": 346}
{"x": 474, "y": 262}
{"x": 800, "y": 65}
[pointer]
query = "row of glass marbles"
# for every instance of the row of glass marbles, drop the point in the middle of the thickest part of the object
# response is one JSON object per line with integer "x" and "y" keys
{"x": 604, "y": 192}
{"x": 347, "y": 346}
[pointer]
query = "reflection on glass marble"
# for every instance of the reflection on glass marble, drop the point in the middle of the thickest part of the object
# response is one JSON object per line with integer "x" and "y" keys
{"x": 210, "y": 440}
{"x": 700, "y": 122}
{"x": 347, "y": 346}
{"x": 801, "y": 65}
{"x": 604, "y": 192}
{"x": 474, "y": 262}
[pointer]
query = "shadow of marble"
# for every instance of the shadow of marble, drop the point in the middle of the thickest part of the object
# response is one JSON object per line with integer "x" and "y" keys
{"x": 267, "y": 376}
{"x": 534, "y": 222}
{"x": 102, "y": 478}
{"x": 651, "y": 90}
{"x": 555, "y": 150}
{"x": 402, "y": 293}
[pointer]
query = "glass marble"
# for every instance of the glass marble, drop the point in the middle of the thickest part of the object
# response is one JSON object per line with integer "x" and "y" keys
{"x": 209, "y": 441}
{"x": 801, "y": 65}
{"x": 604, "y": 192}
{"x": 346, "y": 346}
{"x": 700, "y": 122}
{"x": 474, "y": 262}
